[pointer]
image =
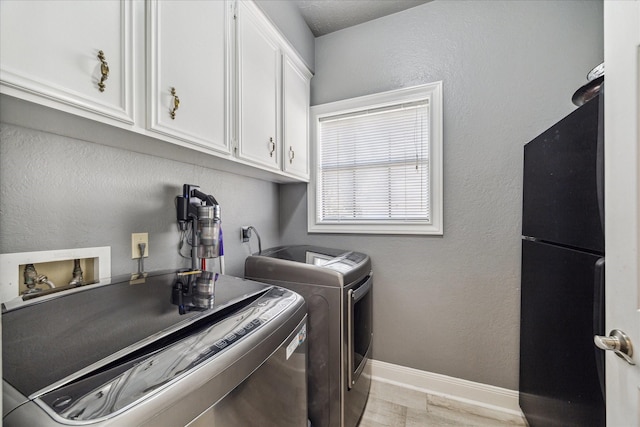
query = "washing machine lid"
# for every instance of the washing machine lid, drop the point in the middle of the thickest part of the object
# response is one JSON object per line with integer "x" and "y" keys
{"x": 50, "y": 343}
{"x": 309, "y": 264}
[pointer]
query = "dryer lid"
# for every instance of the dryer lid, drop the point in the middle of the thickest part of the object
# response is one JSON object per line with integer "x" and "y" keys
{"x": 311, "y": 264}
{"x": 334, "y": 259}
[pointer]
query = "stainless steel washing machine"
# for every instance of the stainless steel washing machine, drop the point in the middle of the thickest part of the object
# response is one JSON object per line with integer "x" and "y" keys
{"x": 125, "y": 354}
{"x": 337, "y": 286}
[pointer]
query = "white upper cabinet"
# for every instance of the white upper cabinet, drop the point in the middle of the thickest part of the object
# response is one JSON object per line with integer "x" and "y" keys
{"x": 273, "y": 96}
{"x": 188, "y": 71}
{"x": 208, "y": 76}
{"x": 295, "y": 106}
{"x": 73, "y": 55}
{"x": 259, "y": 68}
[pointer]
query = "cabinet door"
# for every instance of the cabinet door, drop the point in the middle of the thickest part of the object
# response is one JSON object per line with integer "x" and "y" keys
{"x": 295, "y": 106}
{"x": 49, "y": 54}
{"x": 258, "y": 86}
{"x": 187, "y": 78}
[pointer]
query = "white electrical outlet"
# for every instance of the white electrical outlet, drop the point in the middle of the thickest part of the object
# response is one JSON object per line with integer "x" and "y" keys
{"x": 136, "y": 239}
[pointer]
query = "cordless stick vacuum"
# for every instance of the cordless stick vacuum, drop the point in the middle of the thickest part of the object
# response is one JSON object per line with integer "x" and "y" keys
{"x": 201, "y": 213}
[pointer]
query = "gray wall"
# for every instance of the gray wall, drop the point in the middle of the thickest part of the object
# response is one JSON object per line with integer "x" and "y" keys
{"x": 57, "y": 192}
{"x": 450, "y": 304}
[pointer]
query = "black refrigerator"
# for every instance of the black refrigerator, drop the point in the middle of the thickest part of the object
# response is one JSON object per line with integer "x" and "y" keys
{"x": 562, "y": 293}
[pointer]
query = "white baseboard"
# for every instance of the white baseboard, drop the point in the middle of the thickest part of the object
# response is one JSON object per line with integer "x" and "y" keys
{"x": 468, "y": 393}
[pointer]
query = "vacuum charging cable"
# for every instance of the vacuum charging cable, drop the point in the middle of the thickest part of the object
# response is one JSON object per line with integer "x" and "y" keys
{"x": 246, "y": 236}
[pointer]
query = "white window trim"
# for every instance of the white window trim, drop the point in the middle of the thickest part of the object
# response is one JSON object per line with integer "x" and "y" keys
{"x": 432, "y": 92}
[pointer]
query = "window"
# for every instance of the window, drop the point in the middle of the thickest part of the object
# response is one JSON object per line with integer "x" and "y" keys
{"x": 378, "y": 163}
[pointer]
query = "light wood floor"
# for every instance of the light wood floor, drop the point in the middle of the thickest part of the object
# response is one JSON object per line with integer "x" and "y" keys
{"x": 394, "y": 406}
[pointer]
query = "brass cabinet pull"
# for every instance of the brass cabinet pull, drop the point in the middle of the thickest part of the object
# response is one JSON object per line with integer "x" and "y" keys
{"x": 292, "y": 154}
{"x": 104, "y": 70}
{"x": 176, "y": 103}
{"x": 272, "y": 147}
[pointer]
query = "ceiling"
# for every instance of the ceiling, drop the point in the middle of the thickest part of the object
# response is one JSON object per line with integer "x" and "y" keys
{"x": 326, "y": 16}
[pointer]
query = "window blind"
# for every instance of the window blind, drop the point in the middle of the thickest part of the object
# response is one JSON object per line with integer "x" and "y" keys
{"x": 374, "y": 165}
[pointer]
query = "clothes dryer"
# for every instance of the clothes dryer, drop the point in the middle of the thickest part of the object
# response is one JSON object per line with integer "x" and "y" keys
{"x": 337, "y": 286}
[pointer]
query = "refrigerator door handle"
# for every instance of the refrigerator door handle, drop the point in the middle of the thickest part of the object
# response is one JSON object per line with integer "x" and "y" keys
{"x": 600, "y": 157}
{"x": 598, "y": 297}
{"x": 598, "y": 317}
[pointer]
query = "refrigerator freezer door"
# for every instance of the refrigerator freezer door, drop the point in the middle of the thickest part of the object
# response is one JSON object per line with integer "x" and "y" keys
{"x": 561, "y": 202}
{"x": 559, "y": 365}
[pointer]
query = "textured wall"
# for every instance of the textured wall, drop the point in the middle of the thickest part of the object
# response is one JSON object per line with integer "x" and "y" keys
{"x": 451, "y": 304}
{"x": 286, "y": 16}
{"x": 58, "y": 193}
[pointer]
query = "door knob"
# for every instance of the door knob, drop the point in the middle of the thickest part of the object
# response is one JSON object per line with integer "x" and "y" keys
{"x": 618, "y": 342}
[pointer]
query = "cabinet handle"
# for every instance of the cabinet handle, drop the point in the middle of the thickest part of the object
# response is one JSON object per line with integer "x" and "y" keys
{"x": 104, "y": 70}
{"x": 272, "y": 147}
{"x": 176, "y": 103}
{"x": 292, "y": 154}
